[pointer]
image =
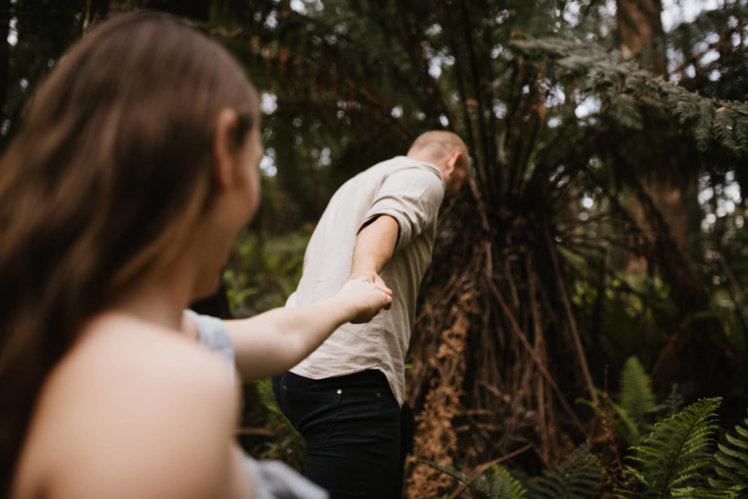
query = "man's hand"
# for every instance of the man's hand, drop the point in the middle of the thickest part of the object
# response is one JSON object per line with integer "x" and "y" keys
{"x": 374, "y": 277}
{"x": 366, "y": 295}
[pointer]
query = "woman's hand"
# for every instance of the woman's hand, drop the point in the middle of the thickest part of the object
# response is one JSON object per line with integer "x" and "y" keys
{"x": 365, "y": 296}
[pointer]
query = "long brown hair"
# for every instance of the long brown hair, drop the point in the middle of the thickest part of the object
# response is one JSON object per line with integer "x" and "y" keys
{"x": 102, "y": 184}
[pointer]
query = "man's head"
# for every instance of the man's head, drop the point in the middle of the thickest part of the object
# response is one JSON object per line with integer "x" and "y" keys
{"x": 447, "y": 151}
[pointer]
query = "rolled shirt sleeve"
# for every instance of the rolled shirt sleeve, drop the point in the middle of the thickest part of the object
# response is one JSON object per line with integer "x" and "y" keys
{"x": 412, "y": 196}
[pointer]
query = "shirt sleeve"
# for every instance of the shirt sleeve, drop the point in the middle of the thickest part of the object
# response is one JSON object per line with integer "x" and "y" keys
{"x": 213, "y": 334}
{"x": 412, "y": 196}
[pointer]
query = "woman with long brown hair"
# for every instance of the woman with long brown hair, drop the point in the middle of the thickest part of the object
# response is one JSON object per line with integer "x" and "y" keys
{"x": 120, "y": 198}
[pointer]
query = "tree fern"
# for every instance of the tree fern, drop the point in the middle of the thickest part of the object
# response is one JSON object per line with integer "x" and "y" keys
{"x": 604, "y": 71}
{"x": 677, "y": 450}
{"x": 581, "y": 477}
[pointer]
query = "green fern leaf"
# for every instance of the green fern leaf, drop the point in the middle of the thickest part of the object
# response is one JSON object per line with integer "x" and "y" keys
{"x": 704, "y": 493}
{"x": 673, "y": 402}
{"x": 732, "y": 461}
{"x": 600, "y": 70}
{"x": 581, "y": 477}
{"x": 637, "y": 397}
{"x": 676, "y": 452}
{"x": 623, "y": 425}
{"x": 725, "y": 128}
{"x": 626, "y": 111}
{"x": 498, "y": 483}
{"x": 702, "y": 130}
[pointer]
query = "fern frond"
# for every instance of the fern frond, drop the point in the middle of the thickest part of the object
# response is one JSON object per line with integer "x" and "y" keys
{"x": 702, "y": 128}
{"x": 500, "y": 484}
{"x": 637, "y": 397}
{"x": 599, "y": 70}
{"x": 624, "y": 425}
{"x": 732, "y": 461}
{"x": 677, "y": 450}
{"x": 673, "y": 402}
{"x": 704, "y": 493}
{"x": 581, "y": 477}
{"x": 626, "y": 111}
{"x": 724, "y": 130}
{"x": 497, "y": 483}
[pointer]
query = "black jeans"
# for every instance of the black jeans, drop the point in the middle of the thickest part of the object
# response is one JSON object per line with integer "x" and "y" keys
{"x": 352, "y": 427}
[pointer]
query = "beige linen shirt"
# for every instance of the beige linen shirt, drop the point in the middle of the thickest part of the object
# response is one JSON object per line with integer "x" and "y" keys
{"x": 409, "y": 191}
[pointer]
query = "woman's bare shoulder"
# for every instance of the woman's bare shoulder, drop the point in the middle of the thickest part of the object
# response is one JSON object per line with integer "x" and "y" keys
{"x": 136, "y": 406}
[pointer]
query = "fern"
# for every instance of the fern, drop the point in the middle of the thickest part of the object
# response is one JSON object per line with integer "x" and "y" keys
{"x": 599, "y": 70}
{"x": 624, "y": 425}
{"x": 581, "y": 477}
{"x": 704, "y": 493}
{"x": 676, "y": 451}
{"x": 497, "y": 483}
{"x": 637, "y": 398}
{"x": 673, "y": 402}
{"x": 732, "y": 461}
{"x": 287, "y": 444}
{"x": 500, "y": 484}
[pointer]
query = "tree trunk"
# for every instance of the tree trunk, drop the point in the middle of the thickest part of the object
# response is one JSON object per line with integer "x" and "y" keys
{"x": 640, "y": 31}
{"x": 661, "y": 211}
{"x": 5, "y": 16}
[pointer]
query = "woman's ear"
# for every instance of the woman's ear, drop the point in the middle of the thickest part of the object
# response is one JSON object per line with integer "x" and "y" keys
{"x": 223, "y": 148}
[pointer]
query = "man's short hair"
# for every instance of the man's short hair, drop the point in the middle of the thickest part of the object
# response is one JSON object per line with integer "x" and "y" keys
{"x": 439, "y": 143}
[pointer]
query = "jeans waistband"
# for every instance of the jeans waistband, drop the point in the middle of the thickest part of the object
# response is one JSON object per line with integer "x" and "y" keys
{"x": 369, "y": 376}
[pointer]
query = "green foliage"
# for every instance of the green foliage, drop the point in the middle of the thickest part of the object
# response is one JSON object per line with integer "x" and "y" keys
{"x": 263, "y": 270}
{"x": 599, "y": 70}
{"x": 732, "y": 461}
{"x": 630, "y": 418}
{"x": 676, "y": 453}
{"x": 581, "y": 477}
{"x": 673, "y": 402}
{"x": 637, "y": 399}
{"x": 497, "y": 482}
{"x": 281, "y": 441}
{"x": 630, "y": 313}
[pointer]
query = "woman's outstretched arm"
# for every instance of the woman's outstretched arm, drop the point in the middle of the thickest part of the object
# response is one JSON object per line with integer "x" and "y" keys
{"x": 272, "y": 342}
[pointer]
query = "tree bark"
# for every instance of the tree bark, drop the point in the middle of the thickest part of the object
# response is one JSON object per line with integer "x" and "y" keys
{"x": 5, "y": 17}
{"x": 640, "y": 31}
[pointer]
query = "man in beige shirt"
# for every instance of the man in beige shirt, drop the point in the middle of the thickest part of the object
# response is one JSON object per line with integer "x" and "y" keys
{"x": 346, "y": 397}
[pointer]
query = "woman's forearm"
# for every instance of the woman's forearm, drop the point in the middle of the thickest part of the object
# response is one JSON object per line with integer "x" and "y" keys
{"x": 272, "y": 342}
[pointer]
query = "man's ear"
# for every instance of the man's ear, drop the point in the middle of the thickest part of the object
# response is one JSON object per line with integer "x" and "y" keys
{"x": 223, "y": 148}
{"x": 452, "y": 162}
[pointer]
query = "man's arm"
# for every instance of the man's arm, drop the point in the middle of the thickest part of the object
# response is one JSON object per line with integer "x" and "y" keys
{"x": 374, "y": 246}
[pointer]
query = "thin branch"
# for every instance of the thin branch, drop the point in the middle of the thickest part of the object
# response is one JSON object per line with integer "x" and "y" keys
{"x": 571, "y": 319}
{"x": 538, "y": 361}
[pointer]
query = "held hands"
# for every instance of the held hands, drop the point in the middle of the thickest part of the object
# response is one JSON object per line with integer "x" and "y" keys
{"x": 366, "y": 295}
